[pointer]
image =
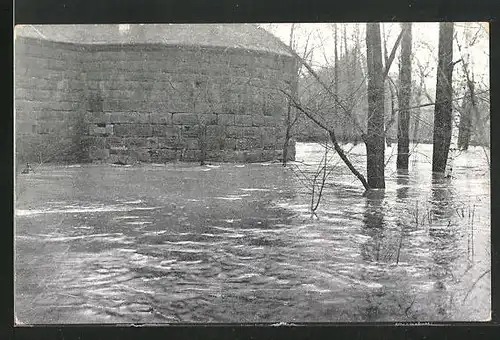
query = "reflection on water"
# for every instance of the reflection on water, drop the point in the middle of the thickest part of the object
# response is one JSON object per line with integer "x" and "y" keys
{"x": 236, "y": 243}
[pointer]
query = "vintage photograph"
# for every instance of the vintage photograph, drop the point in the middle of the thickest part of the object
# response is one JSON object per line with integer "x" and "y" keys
{"x": 252, "y": 173}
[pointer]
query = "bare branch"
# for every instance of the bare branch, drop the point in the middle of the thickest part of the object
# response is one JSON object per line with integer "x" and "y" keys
{"x": 432, "y": 103}
{"x": 345, "y": 110}
{"x": 333, "y": 138}
{"x": 393, "y": 54}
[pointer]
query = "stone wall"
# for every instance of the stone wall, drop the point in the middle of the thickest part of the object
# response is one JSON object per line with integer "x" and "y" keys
{"x": 48, "y": 101}
{"x": 164, "y": 103}
{"x": 150, "y": 103}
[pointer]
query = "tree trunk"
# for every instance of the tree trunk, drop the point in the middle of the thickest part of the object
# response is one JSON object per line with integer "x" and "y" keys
{"x": 418, "y": 100}
{"x": 288, "y": 118}
{"x": 346, "y": 53}
{"x": 443, "y": 107}
{"x": 343, "y": 123}
{"x": 375, "y": 139}
{"x": 404, "y": 99}
{"x": 465, "y": 125}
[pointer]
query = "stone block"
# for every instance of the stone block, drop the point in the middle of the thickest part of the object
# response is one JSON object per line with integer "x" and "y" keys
{"x": 229, "y": 156}
{"x": 171, "y": 142}
{"x": 216, "y": 131}
{"x": 229, "y": 144}
{"x": 25, "y": 127}
{"x": 123, "y": 130}
{"x": 270, "y": 121}
{"x": 143, "y": 130}
{"x": 152, "y": 142}
{"x": 221, "y": 143}
{"x": 248, "y": 143}
{"x": 191, "y": 155}
{"x": 251, "y": 132}
{"x": 134, "y": 142}
{"x": 109, "y": 129}
{"x": 268, "y": 138}
{"x": 190, "y": 131}
{"x": 123, "y": 157}
{"x": 191, "y": 143}
{"x": 243, "y": 120}
{"x": 225, "y": 119}
{"x": 258, "y": 120}
{"x": 160, "y": 118}
{"x": 268, "y": 155}
{"x": 165, "y": 155}
{"x": 185, "y": 118}
{"x": 239, "y": 156}
{"x": 128, "y": 117}
{"x": 98, "y": 154}
{"x": 207, "y": 119}
{"x": 95, "y": 142}
{"x": 118, "y": 150}
{"x": 215, "y": 155}
{"x": 234, "y": 132}
{"x": 140, "y": 154}
{"x": 113, "y": 142}
{"x": 253, "y": 156}
{"x": 160, "y": 130}
{"x": 96, "y": 117}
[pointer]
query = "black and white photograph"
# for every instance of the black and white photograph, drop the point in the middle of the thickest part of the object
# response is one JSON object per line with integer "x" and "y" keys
{"x": 279, "y": 173}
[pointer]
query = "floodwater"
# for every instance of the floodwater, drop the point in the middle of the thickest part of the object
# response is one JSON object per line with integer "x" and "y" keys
{"x": 238, "y": 243}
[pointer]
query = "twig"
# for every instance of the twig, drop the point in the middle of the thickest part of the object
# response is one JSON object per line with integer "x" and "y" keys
{"x": 336, "y": 146}
{"x": 475, "y": 282}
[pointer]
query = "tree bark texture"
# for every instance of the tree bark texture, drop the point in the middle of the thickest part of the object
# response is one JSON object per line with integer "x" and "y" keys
{"x": 375, "y": 139}
{"x": 404, "y": 99}
{"x": 443, "y": 107}
{"x": 465, "y": 125}
{"x": 343, "y": 124}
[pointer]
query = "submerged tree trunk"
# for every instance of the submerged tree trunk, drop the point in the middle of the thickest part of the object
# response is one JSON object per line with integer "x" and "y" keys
{"x": 465, "y": 125}
{"x": 443, "y": 107}
{"x": 404, "y": 99}
{"x": 375, "y": 136}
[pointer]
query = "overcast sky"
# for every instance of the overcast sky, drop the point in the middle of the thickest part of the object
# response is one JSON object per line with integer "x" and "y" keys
{"x": 424, "y": 46}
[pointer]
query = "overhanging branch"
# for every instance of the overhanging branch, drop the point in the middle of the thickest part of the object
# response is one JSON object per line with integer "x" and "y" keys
{"x": 333, "y": 138}
{"x": 345, "y": 110}
{"x": 393, "y": 53}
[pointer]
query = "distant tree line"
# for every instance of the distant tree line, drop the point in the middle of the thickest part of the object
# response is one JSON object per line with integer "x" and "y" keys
{"x": 356, "y": 99}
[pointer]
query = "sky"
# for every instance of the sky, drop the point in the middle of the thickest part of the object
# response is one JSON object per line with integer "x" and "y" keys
{"x": 424, "y": 45}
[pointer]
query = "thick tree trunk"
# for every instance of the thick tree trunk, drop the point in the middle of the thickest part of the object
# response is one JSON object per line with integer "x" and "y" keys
{"x": 465, "y": 125}
{"x": 443, "y": 107}
{"x": 375, "y": 139}
{"x": 404, "y": 99}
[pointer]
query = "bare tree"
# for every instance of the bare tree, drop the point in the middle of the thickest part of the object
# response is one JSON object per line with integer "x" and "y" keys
{"x": 469, "y": 104}
{"x": 404, "y": 99}
{"x": 443, "y": 107}
{"x": 465, "y": 125}
{"x": 336, "y": 69}
{"x": 375, "y": 136}
{"x": 292, "y": 116}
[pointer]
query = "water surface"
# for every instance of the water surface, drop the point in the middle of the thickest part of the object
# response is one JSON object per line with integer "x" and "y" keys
{"x": 237, "y": 243}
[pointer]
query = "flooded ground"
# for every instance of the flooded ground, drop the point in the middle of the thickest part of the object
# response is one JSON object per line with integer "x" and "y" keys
{"x": 237, "y": 243}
